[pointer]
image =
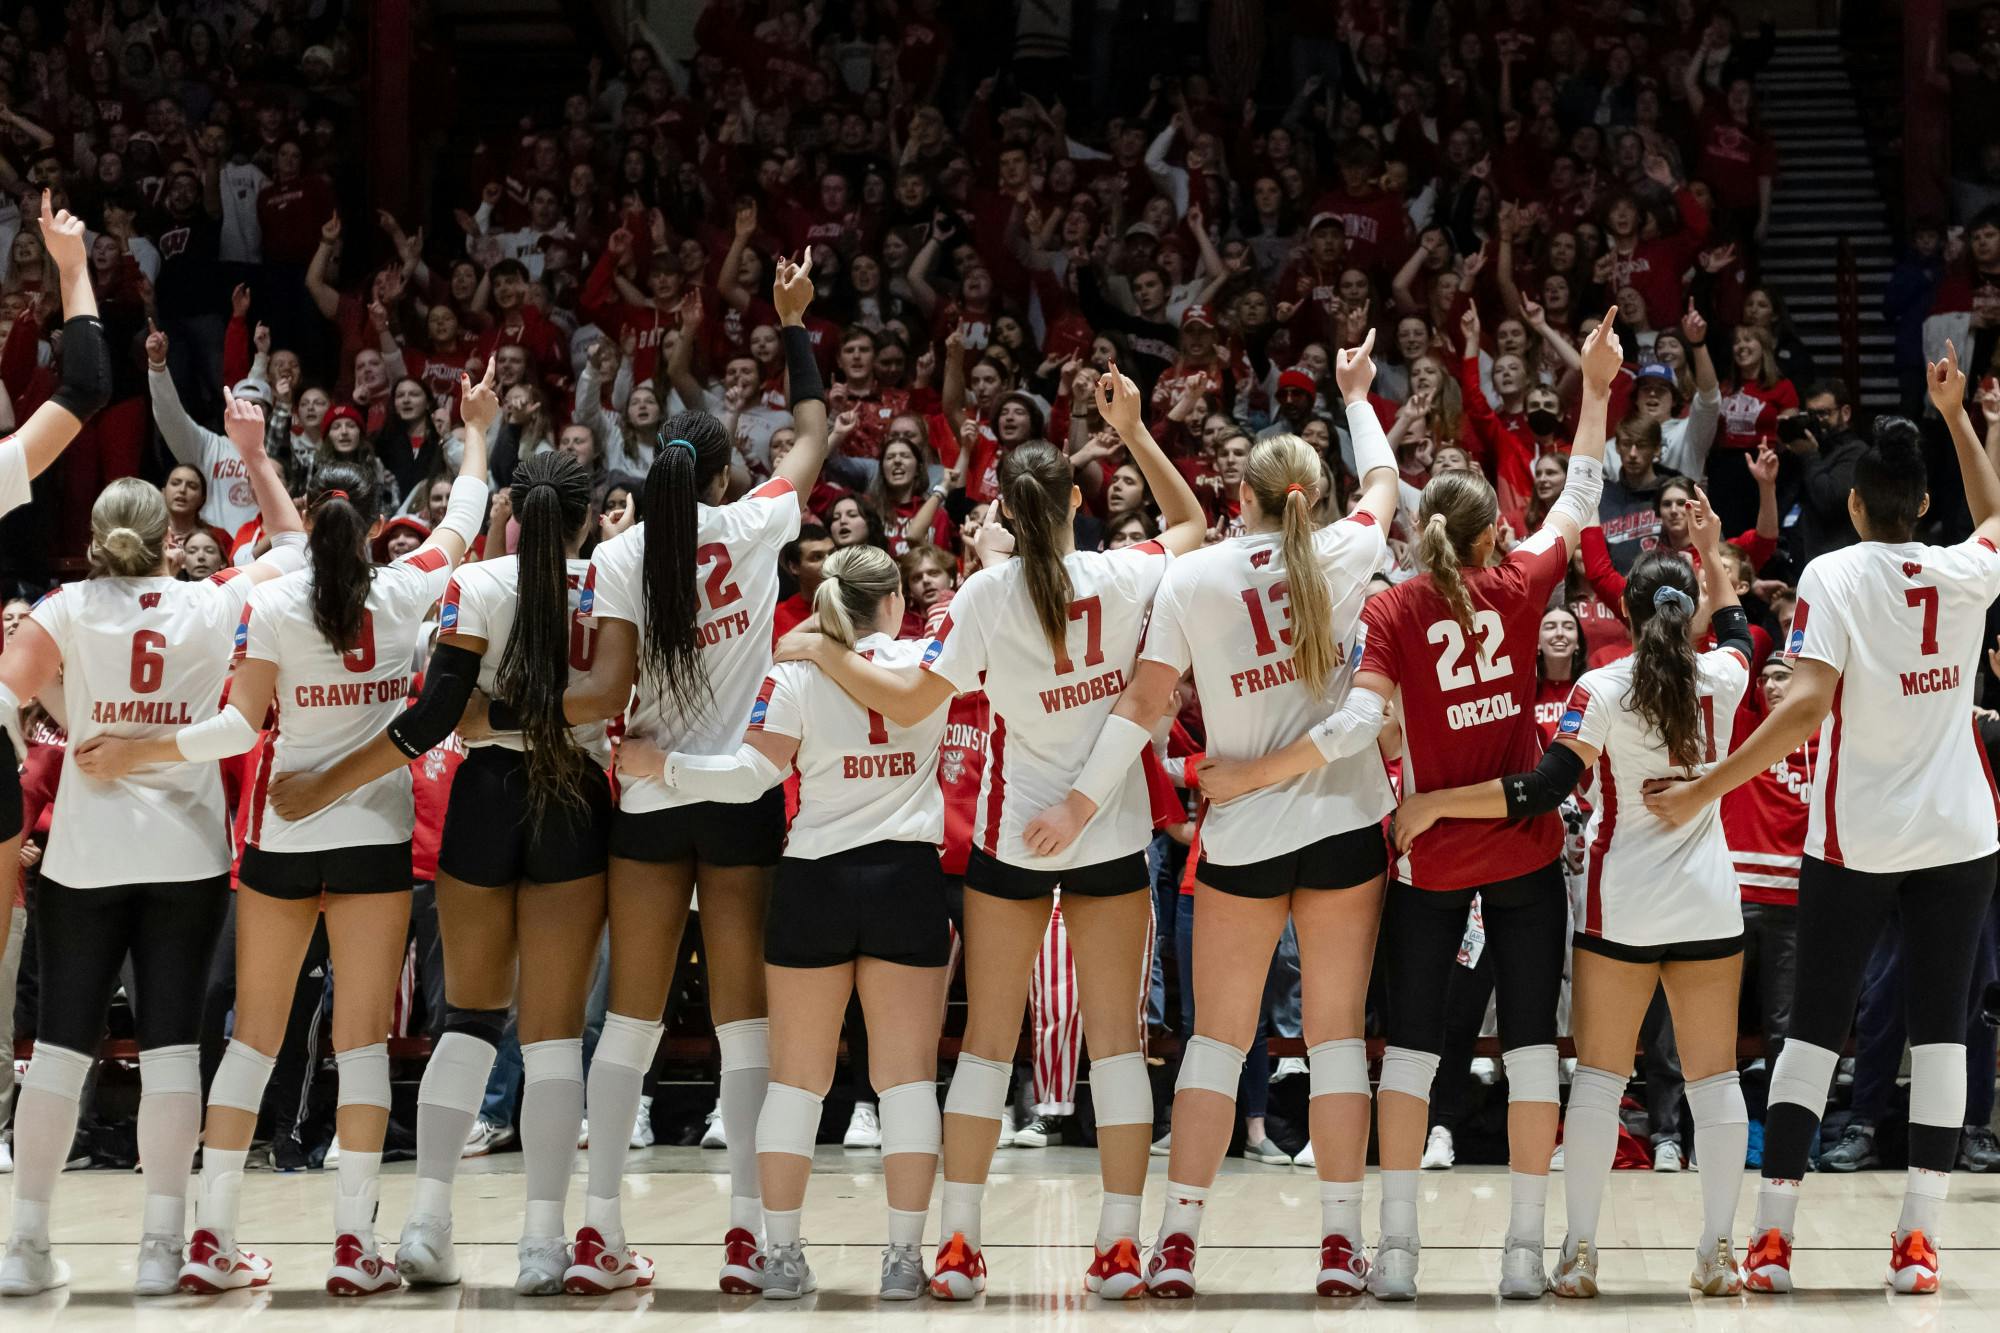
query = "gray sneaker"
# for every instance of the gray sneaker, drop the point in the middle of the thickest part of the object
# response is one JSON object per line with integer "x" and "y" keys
{"x": 1393, "y": 1275}
{"x": 787, "y": 1275}
{"x": 29, "y": 1269}
{"x": 1522, "y": 1277}
{"x": 1978, "y": 1150}
{"x": 1855, "y": 1150}
{"x": 159, "y": 1271}
{"x": 542, "y": 1263}
{"x": 425, "y": 1255}
{"x": 903, "y": 1275}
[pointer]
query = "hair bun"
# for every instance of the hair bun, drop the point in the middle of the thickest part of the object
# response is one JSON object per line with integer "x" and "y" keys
{"x": 124, "y": 542}
{"x": 1898, "y": 437}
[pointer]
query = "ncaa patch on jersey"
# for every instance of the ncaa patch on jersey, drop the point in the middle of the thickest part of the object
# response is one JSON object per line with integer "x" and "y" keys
{"x": 243, "y": 632}
{"x": 1572, "y": 722}
{"x": 931, "y": 653}
{"x": 448, "y": 617}
{"x": 1797, "y": 643}
{"x": 757, "y": 711}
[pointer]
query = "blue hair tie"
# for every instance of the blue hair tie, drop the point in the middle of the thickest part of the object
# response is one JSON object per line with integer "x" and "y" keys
{"x": 1667, "y": 595}
{"x": 687, "y": 445}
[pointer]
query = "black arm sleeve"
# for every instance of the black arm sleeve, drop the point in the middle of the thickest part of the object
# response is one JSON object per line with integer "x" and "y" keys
{"x": 86, "y": 368}
{"x": 448, "y": 683}
{"x": 1732, "y": 630}
{"x": 1542, "y": 790}
{"x": 800, "y": 365}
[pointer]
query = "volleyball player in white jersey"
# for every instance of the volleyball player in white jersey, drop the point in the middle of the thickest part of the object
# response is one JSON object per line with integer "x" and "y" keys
{"x": 859, "y": 906}
{"x": 136, "y": 866}
{"x": 1267, "y": 621}
{"x": 683, "y": 603}
{"x": 521, "y": 862}
{"x": 331, "y": 646}
{"x": 1886, "y": 637}
{"x": 1661, "y": 906}
{"x": 1053, "y": 633}
{"x": 27, "y": 453}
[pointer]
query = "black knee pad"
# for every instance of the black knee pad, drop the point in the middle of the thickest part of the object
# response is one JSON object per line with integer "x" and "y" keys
{"x": 485, "y": 1024}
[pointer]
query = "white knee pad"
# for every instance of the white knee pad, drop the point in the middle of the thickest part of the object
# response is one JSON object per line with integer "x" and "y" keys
{"x": 789, "y": 1122}
{"x": 1803, "y": 1075}
{"x": 628, "y": 1042}
{"x": 1408, "y": 1072}
{"x": 746, "y": 1044}
{"x": 1338, "y": 1068}
{"x": 1121, "y": 1091}
{"x": 167, "y": 1070}
{"x": 455, "y": 1076}
{"x": 1718, "y": 1099}
{"x": 1207, "y": 1064}
{"x": 978, "y": 1087}
{"x": 1593, "y": 1089}
{"x": 58, "y": 1071}
{"x": 364, "y": 1076}
{"x": 1937, "y": 1084}
{"x": 556, "y": 1061}
{"x": 911, "y": 1121}
{"x": 240, "y": 1078}
{"x": 1534, "y": 1074}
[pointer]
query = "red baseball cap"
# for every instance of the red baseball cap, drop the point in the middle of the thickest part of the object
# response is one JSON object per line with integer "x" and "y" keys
{"x": 1198, "y": 314}
{"x": 1298, "y": 377}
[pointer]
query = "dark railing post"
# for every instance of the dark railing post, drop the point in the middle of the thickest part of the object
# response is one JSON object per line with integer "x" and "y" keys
{"x": 1847, "y": 303}
{"x": 391, "y": 54}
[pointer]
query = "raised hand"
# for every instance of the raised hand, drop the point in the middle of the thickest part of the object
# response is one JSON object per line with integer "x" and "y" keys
{"x": 1468, "y": 328}
{"x": 1946, "y": 382}
{"x": 329, "y": 232}
{"x": 478, "y": 404}
{"x": 1119, "y": 402}
{"x": 62, "y": 236}
{"x": 1764, "y": 467}
{"x": 792, "y": 289}
{"x": 1354, "y": 370}
{"x": 239, "y": 301}
{"x": 1603, "y": 356}
{"x": 1693, "y": 325}
{"x": 1704, "y": 528}
{"x": 243, "y": 423}
{"x": 156, "y": 346}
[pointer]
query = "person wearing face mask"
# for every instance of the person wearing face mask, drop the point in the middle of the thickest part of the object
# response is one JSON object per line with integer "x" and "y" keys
{"x": 1821, "y": 436}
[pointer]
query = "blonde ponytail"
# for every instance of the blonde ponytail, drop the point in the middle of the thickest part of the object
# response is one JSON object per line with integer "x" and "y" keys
{"x": 1284, "y": 473}
{"x": 851, "y": 589}
{"x": 1457, "y": 508}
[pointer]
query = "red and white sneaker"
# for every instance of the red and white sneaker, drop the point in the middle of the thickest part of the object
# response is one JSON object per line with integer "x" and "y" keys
{"x": 358, "y": 1270}
{"x": 1913, "y": 1265}
{"x": 742, "y": 1263}
{"x": 1343, "y": 1267}
{"x": 596, "y": 1269}
{"x": 1115, "y": 1273}
{"x": 960, "y": 1271}
{"x": 1768, "y": 1266}
{"x": 1170, "y": 1270}
{"x": 212, "y": 1269}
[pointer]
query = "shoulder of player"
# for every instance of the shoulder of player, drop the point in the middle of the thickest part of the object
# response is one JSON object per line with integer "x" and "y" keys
{"x": 1604, "y": 682}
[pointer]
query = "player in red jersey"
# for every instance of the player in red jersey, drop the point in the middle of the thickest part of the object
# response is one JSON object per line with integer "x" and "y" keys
{"x": 1053, "y": 634}
{"x": 1458, "y": 645}
{"x": 683, "y": 602}
{"x": 1903, "y": 816}
{"x": 332, "y": 645}
{"x": 1267, "y": 622}
{"x": 136, "y": 652}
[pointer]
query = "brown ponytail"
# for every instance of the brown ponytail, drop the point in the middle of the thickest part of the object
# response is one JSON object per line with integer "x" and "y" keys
{"x": 1456, "y": 509}
{"x": 1660, "y": 603}
{"x": 1035, "y": 485}
{"x": 1284, "y": 474}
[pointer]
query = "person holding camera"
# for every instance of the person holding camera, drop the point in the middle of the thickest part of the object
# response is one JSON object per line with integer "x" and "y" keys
{"x": 1821, "y": 437}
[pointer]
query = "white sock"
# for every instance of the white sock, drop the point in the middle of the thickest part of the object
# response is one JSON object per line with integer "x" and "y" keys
{"x": 906, "y": 1225}
{"x": 1590, "y": 1146}
{"x": 617, "y": 1077}
{"x": 1185, "y": 1205}
{"x": 166, "y": 1214}
{"x": 606, "y": 1217}
{"x": 448, "y": 1099}
{"x": 551, "y": 1115}
{"x": 169, "y": 1130}
{"x": 1777, "y": 1205}
{"x": 958, "y": 1210}
{"x": 1340, "y": 1209}
{"x": 1923, "y": 1202}
{"x": 1527, "y": 1217}
{"x": 1399, "y": 1203}
{"x": 781, "y": 1227}
{"x": 46, "y": 1112}
{"x": 221, "y": 1192}
{"x": 357, "y": 1188}
{"x": 1118, "y": 1219}
{"x": 745, "y": 1049}
{"x": 1721, "y": 1138}
{"x": 746, "y": 1214}
{"x": 31, "y": 1221}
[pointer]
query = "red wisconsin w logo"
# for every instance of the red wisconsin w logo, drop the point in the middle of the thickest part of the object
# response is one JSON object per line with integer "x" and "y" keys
{"x": 1259, "y": 559}
{"x": 148, "y": 600}
{"x": 1911, "y": 569}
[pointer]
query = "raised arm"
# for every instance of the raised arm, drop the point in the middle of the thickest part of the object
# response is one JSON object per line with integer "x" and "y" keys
{"x": 1122, "y": 406}
{"x": 1576, "y": 508}
{"x": 323, "y": 295}
{"x": 243, "y": 423}
{"x": 465, "y": 513}
{"x": 1947, "y": 389}
{"x": 791, "y": 293}
{"x": 86, "y": 361}
{"x": 1374, "y": 457}
{"x": 185, "y": 439}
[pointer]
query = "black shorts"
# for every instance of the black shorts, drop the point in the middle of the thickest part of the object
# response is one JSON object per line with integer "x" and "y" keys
{"x": 885, "y": 900}
{"x": 490, "y": 836}
{"x": 10, "y": 797}
{"x": 382, "y": 867}
{"x": 1527, "y": 924}
{"x": 1106, "y": 879}
{"x": 1680, "y": 951}
{"x": 1339, "y": 861}
{"x": 712, "y": 833}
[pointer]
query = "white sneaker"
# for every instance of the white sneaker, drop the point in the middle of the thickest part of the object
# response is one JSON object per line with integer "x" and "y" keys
{"x": 332, "y": 1158}
{"x": 582, "y": 1137}
{"x": 425, "y": 1256}
{"x": 29, "y": 1269}
{"x": 1007, "y": 1128}
{"x": 1575, "y": 1277}
{"x": 1439, "y": 1151}
{"x": 1393, "y": 1274}
{"x": 483, "y": 1138}
{"x": 1288, "y": 1066}
{"x": 864, "y": 1127}
{"x": 711, "y": 1134}
{"x": 1715, "y": 1271}
{"x": 1164, "y": 1145}
{"x": 358, "y": 1269}
{"x": 1522, "y": 1277}
{"x": 6, "y": 1158}
{"x": 1306, "y": 1158}
{"x": 1485, "y": 1070}
{"x": 543, "y": 1261}
{"x": 642, "y": 1125}
{"x": 1667, "y": 1157}
{"x": 1556, "y": 1159}
{"x": 159, "y": 1269}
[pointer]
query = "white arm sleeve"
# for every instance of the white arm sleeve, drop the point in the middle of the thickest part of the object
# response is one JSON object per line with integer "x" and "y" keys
{"x": 1353, "y": 728}
{"x": 465, "y": 513}
{"x": 223, "y": 736}
{"x": 1580, "y": 493}
{"x": 734, "y": 778}
{"x": 1117, "y": 749}
{"x": 1371, "y": 446}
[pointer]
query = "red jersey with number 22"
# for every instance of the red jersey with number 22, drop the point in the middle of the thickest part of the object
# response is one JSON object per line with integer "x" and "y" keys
{"x": 1468, "y": 708}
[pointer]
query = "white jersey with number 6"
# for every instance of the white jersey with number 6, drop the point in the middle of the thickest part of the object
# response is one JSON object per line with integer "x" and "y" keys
{"x": 736, "y": 580}
{"x": 479, "y": 602}
{"x": 330, "y": 702}
{"x": 1903, "y": 782}
{"x": 142, "y": 658}
{"x": 1225, "y": 611}
{"x": 861, "y": 779}
{"x": 1048, "y": 708}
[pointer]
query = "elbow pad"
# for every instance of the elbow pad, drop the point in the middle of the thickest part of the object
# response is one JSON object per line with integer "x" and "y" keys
{"x": 448, "y": 684}
{"x": 223, "y": 736}
{"x": 800, "y": 367}
{"x": 1732, "y": 629}
{"x": 1111, "y": 759}
{"x": 1543, "y": 790}
{"x": 1580, "y": 493}
{"x": 733, "y": 778}
{"x": 1371, "y": 445}
{"x": 1352, "y": 729}
{"x": 465, "y": 512}
{"x": 86, "y": 368}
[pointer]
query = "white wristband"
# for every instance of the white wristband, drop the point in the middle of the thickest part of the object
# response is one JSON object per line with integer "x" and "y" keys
{"x": 465, "y": 512}
{"x": 1580, "y": 493}
{"x": 1353, "y": 727}
{"x": 1118, "y": 747}
{"x": 731, "y": 778}
{"x": 223, "y": 736}
{"x": 1371, "y": 445}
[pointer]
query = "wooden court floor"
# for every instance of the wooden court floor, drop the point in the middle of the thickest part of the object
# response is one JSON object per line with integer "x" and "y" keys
{"x": 1257, "y": 1257}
